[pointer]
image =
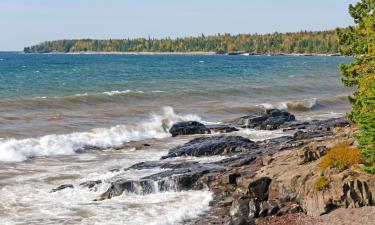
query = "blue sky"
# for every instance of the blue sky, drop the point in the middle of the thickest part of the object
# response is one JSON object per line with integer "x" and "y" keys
{"x": 28, "y": 22}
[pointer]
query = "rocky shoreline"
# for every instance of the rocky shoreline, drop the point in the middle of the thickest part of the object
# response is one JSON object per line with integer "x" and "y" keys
{"x": 263, "y": 182}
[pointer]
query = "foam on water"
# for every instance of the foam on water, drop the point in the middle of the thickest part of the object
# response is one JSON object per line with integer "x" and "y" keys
{"x": 51, "y": 145}
{"x": 111, "y": 93}
{"x": 300, "y": 105}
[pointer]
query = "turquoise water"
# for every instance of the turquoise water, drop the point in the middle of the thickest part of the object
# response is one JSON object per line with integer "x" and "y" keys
{"x": 38, "y": 75}
{"x": 57, "y": 93}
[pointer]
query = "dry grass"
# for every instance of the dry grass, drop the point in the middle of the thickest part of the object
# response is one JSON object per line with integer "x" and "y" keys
{"x": 341, "y": 156}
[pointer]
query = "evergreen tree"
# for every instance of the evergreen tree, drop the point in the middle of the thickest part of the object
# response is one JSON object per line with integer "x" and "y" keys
{"x": 359, "y": 41}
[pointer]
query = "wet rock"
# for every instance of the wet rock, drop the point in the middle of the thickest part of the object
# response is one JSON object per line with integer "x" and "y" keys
{"x": 221, "y": 128}
{"x": 268, "y": 208}
{"x": 216, "y": 145}
{"x": 118, "y": 187}
{"x": 322, "y": 125}
{"x": 260, "y": 188}
{"x": 301, "y": 135}
{"x": 240, "y": 221}
{"x": 271, "y": 119}
{"x": 176, "y": 180}
{"x": 240, "y": 208}
{"x": 90, "y": 184}
{"x": 253, "y": 208}
{"x": 62, "y": 187}
{"x": 188, "y": 128}
{"x": 144, "y": 165}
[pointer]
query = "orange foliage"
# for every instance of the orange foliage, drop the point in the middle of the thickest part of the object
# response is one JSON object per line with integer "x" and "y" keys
{"x": 341, "y": 156}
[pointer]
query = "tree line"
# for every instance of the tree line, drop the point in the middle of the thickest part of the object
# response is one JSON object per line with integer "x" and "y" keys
{"x": 304, "y": 42}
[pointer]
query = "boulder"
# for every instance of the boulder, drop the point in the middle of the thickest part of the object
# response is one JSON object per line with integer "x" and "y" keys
{"x": 240, "y": 208}
{"x": 253, "y": 208}
{"x": 216, "y": 145}
{"x": 268, "y": 208}
{"x": 259, "y": 188}
{"x": 188, "y": 128}
{"x": 270, "y": 119}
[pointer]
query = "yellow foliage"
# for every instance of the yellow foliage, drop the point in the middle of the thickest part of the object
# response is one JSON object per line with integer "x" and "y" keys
{"x": 341, "y": 156}
{"x": 321, "y": 183}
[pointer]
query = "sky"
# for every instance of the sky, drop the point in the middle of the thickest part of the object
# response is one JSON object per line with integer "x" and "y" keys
{"x": 28, "y": 22}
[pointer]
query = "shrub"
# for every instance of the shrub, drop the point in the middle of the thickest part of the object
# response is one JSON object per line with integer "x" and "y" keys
{"x": 368, "y": 169}
{"x": 321, "y": 184}
{"x": 341, "y": 156}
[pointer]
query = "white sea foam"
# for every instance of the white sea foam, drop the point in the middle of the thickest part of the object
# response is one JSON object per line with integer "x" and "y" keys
{"x": 302, "y": 105}
{"x": 111, "y": 93}
{"x": 51, "y": 145}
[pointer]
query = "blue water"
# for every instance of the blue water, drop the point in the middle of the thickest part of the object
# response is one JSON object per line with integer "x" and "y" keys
{"x": 58, "y": 93}
{"x": 38, "y": 75}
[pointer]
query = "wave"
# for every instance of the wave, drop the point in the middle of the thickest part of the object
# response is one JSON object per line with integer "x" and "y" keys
{"x": 157, "y": 126}
{"x": 307, "y": 104}
{"x": 111, "y": 93}
{"x": 303, "y": 105}
{"x": 86, "y": 98}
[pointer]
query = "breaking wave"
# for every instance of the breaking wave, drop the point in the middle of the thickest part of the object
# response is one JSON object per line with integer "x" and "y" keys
{"x": 307, "y": 104}
{"x": 156, "y": 126}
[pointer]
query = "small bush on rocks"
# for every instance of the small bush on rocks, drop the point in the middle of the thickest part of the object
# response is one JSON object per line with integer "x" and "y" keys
{"x": 341, "y": 156}
{"x": 321, "y": 184}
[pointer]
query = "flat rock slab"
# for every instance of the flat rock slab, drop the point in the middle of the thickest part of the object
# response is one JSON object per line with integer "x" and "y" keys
{"x": 207, "y": 146}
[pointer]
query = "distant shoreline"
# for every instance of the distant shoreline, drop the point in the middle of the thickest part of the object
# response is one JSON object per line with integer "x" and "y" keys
{"x": 186, "y": 53}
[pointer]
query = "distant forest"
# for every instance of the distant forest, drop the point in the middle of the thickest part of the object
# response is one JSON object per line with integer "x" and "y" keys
{"x": 304, "y": 42}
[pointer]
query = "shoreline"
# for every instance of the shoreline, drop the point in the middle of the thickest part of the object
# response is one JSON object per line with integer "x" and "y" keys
{"x": 248, "y": 177}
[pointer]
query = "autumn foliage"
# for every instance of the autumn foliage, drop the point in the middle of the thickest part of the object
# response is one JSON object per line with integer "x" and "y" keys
{"x": 341, "y": 156}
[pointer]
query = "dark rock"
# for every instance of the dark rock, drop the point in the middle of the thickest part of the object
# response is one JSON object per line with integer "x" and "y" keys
{"x": 240, "y": 221}
{"x": 240, "y": 208}
{"x": 232, "y": 178}
{"x": 221, "y": 128}
{"x": 268, "y": 208}
{"x": 90, "y": 184}
{"x": 271, "y": 119}
{"x": 295, "y": 208}
{"x": 178, "y": 165}
{"x": 176, "y": 180}
{"x": 144, "y": 165}
{"x": 216, "y": 145}
{"x": 312, "y": 153}
{"x": 301, "y": 135}
{"x": 259, "y": 188}
{"x": 253, "y": 208}
{"x": 187, "y": 128}
{"x": 120, "y": 186}
{"x": 61, "y": 187}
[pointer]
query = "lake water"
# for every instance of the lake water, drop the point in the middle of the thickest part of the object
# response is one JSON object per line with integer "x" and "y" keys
{"x": 54, "y": 105}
